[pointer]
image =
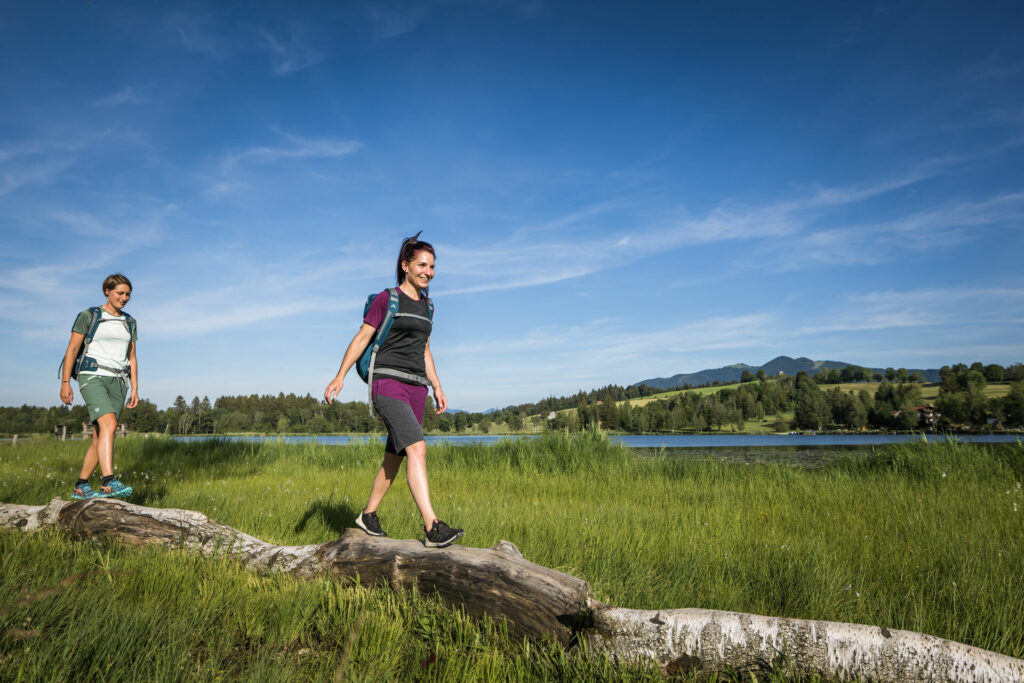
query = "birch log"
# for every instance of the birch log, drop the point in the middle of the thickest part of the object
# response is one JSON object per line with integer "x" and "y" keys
{"x": 537, "y": 601}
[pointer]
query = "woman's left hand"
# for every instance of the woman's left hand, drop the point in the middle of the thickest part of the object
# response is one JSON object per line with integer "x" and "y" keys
{"x": 440, "y": 400}
{"x": 134, "y": 400}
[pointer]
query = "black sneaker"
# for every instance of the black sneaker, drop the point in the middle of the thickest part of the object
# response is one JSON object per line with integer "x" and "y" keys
{"x": 441, "y": 534}
{"x": 368, "y": 522}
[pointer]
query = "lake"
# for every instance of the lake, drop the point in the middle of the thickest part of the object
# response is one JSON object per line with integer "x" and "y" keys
{"x": 809, "y": 451}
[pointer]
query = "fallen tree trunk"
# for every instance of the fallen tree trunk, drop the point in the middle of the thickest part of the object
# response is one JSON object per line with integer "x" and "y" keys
{"x": 494, "y": 582}
{"x": 711, "y": 640}
{"x": 536, "y": 601}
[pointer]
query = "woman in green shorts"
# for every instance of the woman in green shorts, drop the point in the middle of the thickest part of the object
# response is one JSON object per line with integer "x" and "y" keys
{"x": 107, "y": 365}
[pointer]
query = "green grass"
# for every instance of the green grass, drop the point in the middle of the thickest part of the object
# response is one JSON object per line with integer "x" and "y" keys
{"x": 920, "y": 537}
{"x": 929, "y": 392}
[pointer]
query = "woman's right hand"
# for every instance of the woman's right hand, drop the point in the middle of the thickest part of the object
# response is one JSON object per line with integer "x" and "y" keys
{"x": 66, "y": 394}
{"x": 333, "y": 388}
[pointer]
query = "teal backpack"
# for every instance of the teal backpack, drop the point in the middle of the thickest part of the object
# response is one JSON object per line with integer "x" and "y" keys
{"x": 83, "y": 363}
{"x": 367, "y": 361}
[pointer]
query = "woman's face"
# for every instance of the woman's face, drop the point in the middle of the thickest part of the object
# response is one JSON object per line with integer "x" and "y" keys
{"x": 420, "y": 270}
{"x": 118, "y": 296}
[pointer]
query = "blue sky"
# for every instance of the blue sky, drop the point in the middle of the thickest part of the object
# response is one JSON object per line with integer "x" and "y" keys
{"x": 615, "y": 190}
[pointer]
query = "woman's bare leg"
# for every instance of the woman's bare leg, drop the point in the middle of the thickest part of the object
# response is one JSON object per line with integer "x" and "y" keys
{"x": 382, "y": 482}
{"x": 416, "y": 473}
{"x": 105, "y": 443}
{"x": 91, "y": 455}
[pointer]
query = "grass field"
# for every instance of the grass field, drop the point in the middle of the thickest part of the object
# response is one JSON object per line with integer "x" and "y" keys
{"x": 920, "y": 537}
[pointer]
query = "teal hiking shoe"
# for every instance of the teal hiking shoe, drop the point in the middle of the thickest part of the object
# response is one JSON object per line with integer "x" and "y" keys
{"x": 115, "y": 489}
{"x": 84, "y": 492}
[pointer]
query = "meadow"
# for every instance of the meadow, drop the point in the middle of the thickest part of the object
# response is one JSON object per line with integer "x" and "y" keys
{"x": 924, "y": 537}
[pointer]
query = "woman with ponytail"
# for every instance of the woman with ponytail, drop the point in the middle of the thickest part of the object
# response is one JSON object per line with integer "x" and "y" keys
{"x": 403, "y": 370}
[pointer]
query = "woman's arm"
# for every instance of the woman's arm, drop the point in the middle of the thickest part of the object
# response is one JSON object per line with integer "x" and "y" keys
{"x": 440, "y": 400}
{"x": 355, "y": 349}
{"x": 75, "y": 343}
{"x": 133, "y": 364}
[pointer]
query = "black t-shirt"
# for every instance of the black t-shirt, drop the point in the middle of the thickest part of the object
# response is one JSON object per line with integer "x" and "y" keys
{"x": 407, "y": 341}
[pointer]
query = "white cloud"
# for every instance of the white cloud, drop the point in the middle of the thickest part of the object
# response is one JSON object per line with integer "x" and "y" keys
{"x": 126, "y": 95}
{"x": 300, "y": 148}
{"x": 39, "y": 172}
{"x": 195, "y": 33}
{"x": 920, "y": 308}
{"x": 290, "y": 53}
{"x": 394, "y": 21}
{"x": 41, "y": 162}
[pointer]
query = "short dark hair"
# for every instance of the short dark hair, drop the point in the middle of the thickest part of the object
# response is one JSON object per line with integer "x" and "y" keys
{"x": 114, "y": 280}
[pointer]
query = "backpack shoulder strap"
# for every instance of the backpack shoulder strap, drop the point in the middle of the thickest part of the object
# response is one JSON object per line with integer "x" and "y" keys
{"x": 96, "y": 315}
{"x": 430, "y": 309}
{"x": 130, "y": 324}
{"x": 94, "y": 323}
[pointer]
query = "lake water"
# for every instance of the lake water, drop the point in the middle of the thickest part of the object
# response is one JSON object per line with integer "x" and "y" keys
{"x": 809, "y": 451}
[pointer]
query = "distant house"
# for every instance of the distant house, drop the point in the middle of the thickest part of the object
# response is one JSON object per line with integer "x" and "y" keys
{"x": 927, "y": 416}
{"x": 122, "y": 429}
{"x": 552, "y": 415}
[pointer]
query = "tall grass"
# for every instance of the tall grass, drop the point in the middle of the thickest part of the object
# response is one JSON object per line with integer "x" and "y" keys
{"x": 925, "y": 537}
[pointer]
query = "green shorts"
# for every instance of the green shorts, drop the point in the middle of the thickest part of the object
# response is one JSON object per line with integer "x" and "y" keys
{"x": 102, "y": 394}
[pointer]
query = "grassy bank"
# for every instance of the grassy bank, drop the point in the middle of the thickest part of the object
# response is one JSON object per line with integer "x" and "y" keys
{"x": 920, "y": 537}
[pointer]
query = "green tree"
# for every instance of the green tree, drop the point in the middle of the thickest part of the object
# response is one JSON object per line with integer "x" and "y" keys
{"x": 144, "y": 417}
{"x": 994, "y": 373}
{"x": 812, "y": 410}
{"x": 609, "y": 414}
{"x": 429, "y": 415}
{"x": 1013, "y": 405}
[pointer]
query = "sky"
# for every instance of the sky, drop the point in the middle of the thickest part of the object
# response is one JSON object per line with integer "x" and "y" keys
{"x": 615, "y": 190}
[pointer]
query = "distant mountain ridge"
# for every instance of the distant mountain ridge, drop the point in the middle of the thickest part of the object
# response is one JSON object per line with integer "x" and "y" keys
{"x": 784, "y": 364}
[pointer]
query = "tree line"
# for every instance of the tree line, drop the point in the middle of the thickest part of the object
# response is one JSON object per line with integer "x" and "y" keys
{"x": 896, "y": 404}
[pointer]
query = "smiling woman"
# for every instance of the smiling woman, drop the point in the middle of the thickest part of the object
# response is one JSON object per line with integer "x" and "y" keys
{"x": 102, "y": 358}
{"x": 398, "y": 322}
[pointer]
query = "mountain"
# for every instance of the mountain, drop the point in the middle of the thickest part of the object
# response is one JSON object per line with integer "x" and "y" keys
{"x": 784, "y": 364}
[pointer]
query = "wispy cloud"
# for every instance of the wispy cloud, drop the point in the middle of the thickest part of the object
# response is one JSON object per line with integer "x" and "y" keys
{"x": 290, "y": 52}
{"x": 126, "y": 95}
{"x": 526, "y": 259}
{"x": 300, "y": 148}
{"x": 892, "y": 309}
{"x": 29, "y": 293}
{"x": 922, "y": 230}
{"x": 394, "y": 21}
{"x": 118, "y": 234}
{"x": 41, "y": 162}
{"x": 39, "y": 172}
{"x": 195, "y": 32}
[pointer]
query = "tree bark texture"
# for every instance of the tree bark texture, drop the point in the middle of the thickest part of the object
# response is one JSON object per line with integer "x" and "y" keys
{"x": 536, "y": 601}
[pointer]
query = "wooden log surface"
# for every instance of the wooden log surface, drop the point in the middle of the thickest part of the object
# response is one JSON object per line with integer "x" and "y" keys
{"x": 712, "y": 640}
{"x": 495, "y": 582}
{"x": 537, "y": 601}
